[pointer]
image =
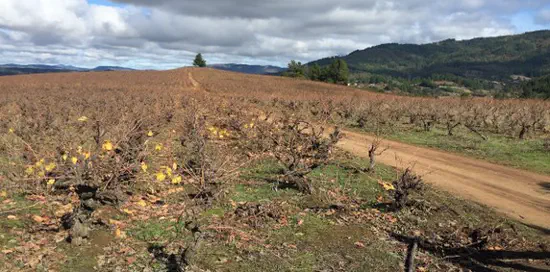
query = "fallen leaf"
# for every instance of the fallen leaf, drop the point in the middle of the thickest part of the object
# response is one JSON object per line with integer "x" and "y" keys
{"x": 359, "y": 245}
{"x": 292, "y": 246}
{"x": 130, "y": 212}
{"x": 38, "y": 219}
{"x": 7, "y": 251}
{"x": 64, "y": 209}
{"x": 3, "y": 194}
{"x": 115, "y": 222}
{"x": 130, "y": 260}
{"x": 120, "y": 234}
{"x": 495, "y": 248}
{"x": 142, "y": 203}
{"x": 12, "y": 217}
{"x": 36, "y": 198}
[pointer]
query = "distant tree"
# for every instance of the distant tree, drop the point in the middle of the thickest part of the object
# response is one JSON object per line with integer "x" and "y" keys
{"x": 295, "y": 69}
{"x": 338, "y": 72}
{"x": 428, "y": 84}
{"x": 315, "y": 72}
{"x": 199, "y": 61}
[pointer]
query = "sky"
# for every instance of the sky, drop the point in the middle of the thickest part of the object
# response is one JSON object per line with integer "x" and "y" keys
{"x": 164, "y": 34}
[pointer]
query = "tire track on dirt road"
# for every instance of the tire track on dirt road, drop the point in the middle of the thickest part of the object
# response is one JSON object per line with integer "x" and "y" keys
{"x": 516, "y": 193}
{"x": 195, "y": 84}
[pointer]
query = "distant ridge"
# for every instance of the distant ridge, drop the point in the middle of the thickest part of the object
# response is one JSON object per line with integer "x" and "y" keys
{"x": 19, "y": 69}
{"x": 249, "y": 69}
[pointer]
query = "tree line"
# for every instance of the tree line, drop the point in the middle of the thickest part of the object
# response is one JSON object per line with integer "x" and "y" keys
{"x": 337, "y": 72}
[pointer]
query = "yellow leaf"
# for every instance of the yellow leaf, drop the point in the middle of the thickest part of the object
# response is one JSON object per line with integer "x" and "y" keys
{"x": 158, "y": 147}
{"x": 150, "y": 134}
{"x": 144, "y": 167}
{"x": 65, "y": 157}
{"x": 115, "y": 222}
{"x": 175, "y": 166}
{"x": 86, "y": 155}
{"x": 51, "y": 182}
{"x": 176, "y": 180}
{"x": 107, "y": 145}
{"x": 11, "y": 130}
{"x": 141, "y": 203}
{"x": 29, "y": 171}
{"x": 388, "y": 186}
{"x": 74, "y": 160}
{"x": 50, "y": 167}
{"x": 83, "y": 119}
{"x": 130, "y": 212}
{"x": 3, "y": 194}
{"x": 120, "y": 234}
{"x": 160, "y": 176}
{"x": 39, "y": 163}
{"x": 41, "y": 174}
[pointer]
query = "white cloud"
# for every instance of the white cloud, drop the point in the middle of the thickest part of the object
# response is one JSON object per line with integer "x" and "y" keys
{"x": 166, "y": 33}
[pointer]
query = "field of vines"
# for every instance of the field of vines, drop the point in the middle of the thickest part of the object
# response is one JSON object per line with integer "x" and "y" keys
{"x": 510, "y": 132}
{"x": 199, "y": 170}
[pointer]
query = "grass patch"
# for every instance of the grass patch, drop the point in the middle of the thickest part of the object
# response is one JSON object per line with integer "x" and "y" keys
{"x": 527, "y": 154}
{"x": 156, "y": 231}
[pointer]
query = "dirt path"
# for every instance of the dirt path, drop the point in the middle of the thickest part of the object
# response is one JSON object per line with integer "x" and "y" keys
{"x": 522, "y": 195}
{"x": 196, "y": 86}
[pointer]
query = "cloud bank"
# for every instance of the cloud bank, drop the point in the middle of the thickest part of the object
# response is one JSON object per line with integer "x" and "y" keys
{"x": 167, "y": 33}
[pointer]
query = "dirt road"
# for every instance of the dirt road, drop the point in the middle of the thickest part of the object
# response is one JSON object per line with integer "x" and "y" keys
{"x": 519, "y": 194}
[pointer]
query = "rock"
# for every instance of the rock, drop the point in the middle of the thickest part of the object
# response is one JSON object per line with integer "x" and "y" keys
{"x": 78, "y": 232}
{"x": 91, "y": 204}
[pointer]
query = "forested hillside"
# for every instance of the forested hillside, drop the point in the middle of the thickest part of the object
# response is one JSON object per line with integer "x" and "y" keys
{"x": 488, "y": 58}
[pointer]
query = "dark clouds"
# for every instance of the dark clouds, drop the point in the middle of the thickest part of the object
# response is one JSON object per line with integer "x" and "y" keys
{"x": 167, "y": 33}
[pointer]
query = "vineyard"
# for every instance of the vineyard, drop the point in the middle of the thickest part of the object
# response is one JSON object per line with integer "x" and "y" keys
{"x": 202, "y": 170}
{"x": 510, "y": 132}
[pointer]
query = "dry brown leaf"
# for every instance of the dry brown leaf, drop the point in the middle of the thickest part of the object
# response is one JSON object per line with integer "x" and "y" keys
{"x": 39, "y": 219}
{"x": 359, "y": 244}
{"x": 63, "y": 209}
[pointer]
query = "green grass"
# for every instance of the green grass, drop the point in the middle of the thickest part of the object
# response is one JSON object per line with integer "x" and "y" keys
{"x": 155, "y": 231}
{"x": 527, "y": 154}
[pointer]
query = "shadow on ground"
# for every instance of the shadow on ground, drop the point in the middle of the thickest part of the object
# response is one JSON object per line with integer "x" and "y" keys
{"x": 545, "y": 186}
{"x": 475, "y": 259}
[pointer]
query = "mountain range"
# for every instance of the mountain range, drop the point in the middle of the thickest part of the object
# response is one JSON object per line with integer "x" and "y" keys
{"x": 18, "y": 69}
{"x": 249, "y": 69}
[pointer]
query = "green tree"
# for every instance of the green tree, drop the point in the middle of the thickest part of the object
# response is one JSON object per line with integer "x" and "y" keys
{"x": 315, "y": 72}
{"x": 338, "y": 72}
{"x": 295, "y": 69}
{"x": 199, "y": 61}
